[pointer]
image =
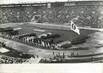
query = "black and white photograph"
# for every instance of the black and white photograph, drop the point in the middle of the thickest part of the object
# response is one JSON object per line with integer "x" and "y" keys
{"x": 47, "y": 32}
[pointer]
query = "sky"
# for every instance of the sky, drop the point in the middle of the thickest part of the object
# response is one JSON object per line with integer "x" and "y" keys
{"x": 33, "y": 1}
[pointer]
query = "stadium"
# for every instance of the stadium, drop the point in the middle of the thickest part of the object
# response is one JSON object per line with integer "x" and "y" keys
{"x": 51, "y": 32}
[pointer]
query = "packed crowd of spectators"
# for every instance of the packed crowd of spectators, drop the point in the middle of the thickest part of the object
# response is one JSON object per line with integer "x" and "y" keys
{"x": 83, "y": 15}
{"x": 9, "y": 60}
{"x": 13, "y": 56}
{"x": 19, "y": 14}
{"x": 74, "y": 57}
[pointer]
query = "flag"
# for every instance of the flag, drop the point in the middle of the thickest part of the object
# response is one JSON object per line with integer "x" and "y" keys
{"x": 75, "y": 28}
